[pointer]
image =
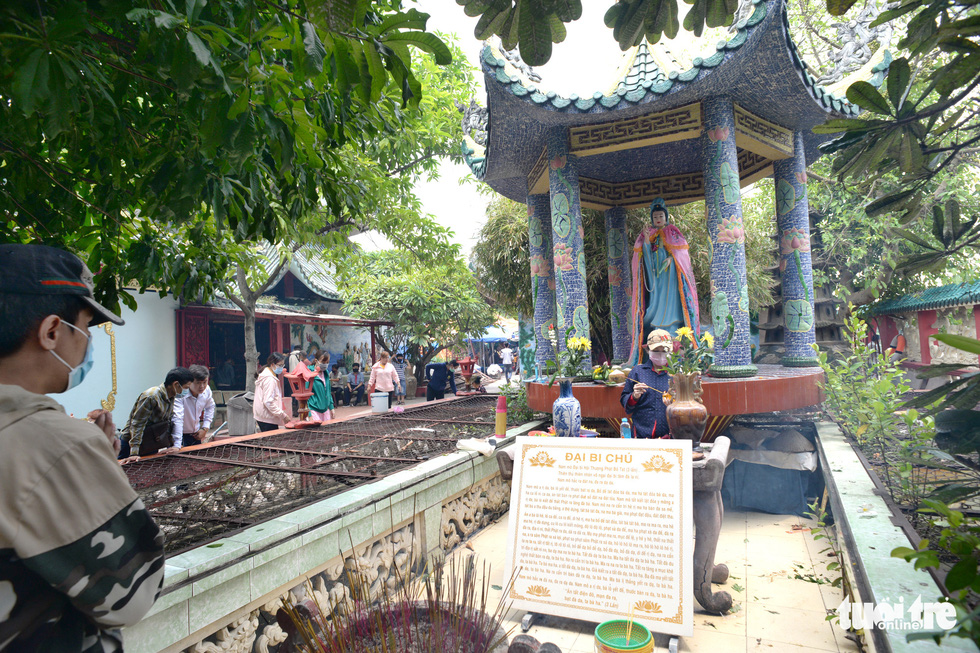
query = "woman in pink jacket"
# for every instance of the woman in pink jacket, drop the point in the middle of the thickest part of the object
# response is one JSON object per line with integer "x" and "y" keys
{"x": 384, "y": 377}
{"x": 267, "y": 406}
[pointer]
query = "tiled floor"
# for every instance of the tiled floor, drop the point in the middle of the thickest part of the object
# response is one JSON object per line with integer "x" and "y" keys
{"x": 776, "y": 608}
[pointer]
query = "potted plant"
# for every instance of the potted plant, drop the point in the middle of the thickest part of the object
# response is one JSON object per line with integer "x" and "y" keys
{"x": 686, "y": 415}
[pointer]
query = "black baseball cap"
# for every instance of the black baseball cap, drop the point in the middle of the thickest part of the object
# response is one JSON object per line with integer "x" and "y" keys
{"x": 43, "y": 270}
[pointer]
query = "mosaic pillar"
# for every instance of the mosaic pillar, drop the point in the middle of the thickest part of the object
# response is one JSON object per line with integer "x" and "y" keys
{"x": 726, "y": 236}
{"x": 618, "y": 254}
{"x": 567, "y": 232}
{"x": 795, "y": 270}
{"x": 542, "y": 279}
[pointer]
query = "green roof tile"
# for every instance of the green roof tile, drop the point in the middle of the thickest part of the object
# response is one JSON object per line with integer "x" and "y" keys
{"x": 954, "y": 294}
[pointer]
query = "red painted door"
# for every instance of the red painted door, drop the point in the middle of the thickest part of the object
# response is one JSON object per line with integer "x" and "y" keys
{"x": 192, "y": 337}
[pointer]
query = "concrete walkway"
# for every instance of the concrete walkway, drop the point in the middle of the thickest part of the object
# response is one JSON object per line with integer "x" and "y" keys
{"x": 779, "y": 581}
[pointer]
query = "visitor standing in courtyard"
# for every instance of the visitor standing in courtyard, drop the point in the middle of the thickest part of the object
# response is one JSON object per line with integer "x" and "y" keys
{"x": 149, "y": 429}
{"x": 643, "y": 394}
{"x": 384, "y": 377}
{"x": 337, "y": 383}
{"x": 507, "y": 361}
{"x": 80, "y": 556}
{"x": 267, "y": 405}
{"x": 321, "y": 402}
{"x": 296, "y": 356}
{"x": 400, "y": 366}
{"x": 355, "y": 386}
{"x": 194, "y": 413}
{"x": 438, "y": 375}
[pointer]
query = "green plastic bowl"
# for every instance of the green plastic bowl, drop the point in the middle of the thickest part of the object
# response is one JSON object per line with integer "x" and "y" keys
{"x": 612, "y": 636}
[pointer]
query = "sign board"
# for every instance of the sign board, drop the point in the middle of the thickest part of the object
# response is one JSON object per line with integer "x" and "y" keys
{"x": 600, "y": 529}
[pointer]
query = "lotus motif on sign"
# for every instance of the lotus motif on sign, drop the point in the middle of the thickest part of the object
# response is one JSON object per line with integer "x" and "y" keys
{"x": 538, "y": 590}
{"x": 542, "y": 459}
{"x": 658, "y": 464}
{"x": 647, "y": 606}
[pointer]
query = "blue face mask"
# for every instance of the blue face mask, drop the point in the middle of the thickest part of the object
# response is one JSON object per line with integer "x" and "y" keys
{"x": 277, "y": 370}
{"x": 77, "y": 374}
{"x": 186, "y": 392}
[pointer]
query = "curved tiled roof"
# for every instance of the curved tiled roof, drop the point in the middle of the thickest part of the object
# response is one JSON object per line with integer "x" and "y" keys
{"x": 954, "y": 294}
{"x": 759, "y": 68}
{"x": 639, "y": 86}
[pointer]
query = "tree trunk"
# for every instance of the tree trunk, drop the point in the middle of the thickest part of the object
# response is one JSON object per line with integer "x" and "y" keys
{"x": 251, "y": 352}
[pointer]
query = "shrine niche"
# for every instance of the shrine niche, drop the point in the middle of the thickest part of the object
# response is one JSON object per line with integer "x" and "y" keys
{"x": 743, "y": 111}
{"x": 740, "y": 113}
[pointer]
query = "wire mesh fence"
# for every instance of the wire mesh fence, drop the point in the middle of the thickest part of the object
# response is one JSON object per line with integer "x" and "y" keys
{"x": 199, "y": 495}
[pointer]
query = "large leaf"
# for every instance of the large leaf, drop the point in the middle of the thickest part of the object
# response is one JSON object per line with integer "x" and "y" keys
{"x": 899, "y": 75}
{"x": 908, "y": 235}
{"x": 31, "y": 81}
{"x": 426, "y": 42}
{"x": 963, "y": 343}
{"x": 868, "y": 98}
{"x": 889, "y": 203}
{"x": 839, "y": 7}
{"x": 535, "y": 35}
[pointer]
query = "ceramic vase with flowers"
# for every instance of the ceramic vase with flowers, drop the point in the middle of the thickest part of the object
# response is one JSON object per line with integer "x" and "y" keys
{"x": 686, "y": 415}
{"x": 566, "y": 412}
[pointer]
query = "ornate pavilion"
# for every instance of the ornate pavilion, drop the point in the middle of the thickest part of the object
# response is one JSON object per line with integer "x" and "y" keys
{"x": 741, "y": 114}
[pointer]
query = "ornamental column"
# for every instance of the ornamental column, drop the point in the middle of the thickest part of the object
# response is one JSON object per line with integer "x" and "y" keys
{"x": 795, "y": 269}
{"x": 618, "y": 255}
{"x": 567, "y": 236}
{"x": 542, "y": 279}
{"x": 723, "y": 203}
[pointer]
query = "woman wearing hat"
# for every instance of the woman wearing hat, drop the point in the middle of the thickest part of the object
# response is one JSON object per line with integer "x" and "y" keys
{"x": 646, "y": 384}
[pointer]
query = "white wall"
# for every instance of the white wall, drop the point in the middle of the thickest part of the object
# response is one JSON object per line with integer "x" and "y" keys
{"x": 146, "y": 349}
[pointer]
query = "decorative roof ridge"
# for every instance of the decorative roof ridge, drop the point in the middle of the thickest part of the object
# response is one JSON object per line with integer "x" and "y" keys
{"x": 509, "y": 76}
{"x": 947, "y": 296}
{"x": 823, "y": 94}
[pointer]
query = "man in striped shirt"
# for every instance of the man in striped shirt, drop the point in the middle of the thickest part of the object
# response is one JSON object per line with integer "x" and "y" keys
{"x": 400, "y": 366}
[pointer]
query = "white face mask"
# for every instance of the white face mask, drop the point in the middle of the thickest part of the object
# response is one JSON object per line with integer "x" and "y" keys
{"x": 658, "y": 358}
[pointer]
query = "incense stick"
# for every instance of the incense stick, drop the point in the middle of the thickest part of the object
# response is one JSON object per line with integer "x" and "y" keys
{"x": 629, "y": 627}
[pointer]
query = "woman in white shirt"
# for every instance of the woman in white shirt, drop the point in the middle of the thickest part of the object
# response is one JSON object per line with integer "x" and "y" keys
{"x": 267, "y": 406}
{"x": 384, "y": 377}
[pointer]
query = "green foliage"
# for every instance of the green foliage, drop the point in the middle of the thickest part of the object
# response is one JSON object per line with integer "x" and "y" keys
{"x": 244, "y": 115}
{"x": 692, "y": 356}
{"x": 432, "y": 305}
{"x": 959, "y": 539}
{"x": 863, "y": 396}
{"x": 824, "y": 531}
{"x": 533, "y": 25}
{"x": 876, "y": 257}
{"x": 517, "y": 407}
{"x": 922, "y": 123}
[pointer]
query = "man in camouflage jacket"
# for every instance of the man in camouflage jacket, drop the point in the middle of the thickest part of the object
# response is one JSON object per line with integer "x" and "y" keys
{"x": 80, "y": 556}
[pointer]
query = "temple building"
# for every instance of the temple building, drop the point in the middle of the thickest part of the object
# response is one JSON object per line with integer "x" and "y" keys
{"x": 742, "y": 113}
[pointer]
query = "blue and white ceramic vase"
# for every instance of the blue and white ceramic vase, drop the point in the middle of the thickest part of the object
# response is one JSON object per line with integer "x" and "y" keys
{"x": 566, "y": 411}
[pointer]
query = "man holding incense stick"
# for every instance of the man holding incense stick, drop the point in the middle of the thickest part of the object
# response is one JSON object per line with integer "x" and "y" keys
{"x": 643, "y": 393}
